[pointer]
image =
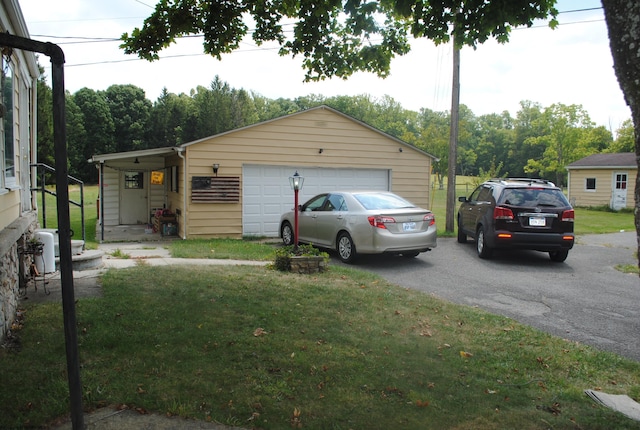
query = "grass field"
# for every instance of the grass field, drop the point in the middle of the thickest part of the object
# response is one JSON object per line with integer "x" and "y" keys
{"x": 344, "y": 349}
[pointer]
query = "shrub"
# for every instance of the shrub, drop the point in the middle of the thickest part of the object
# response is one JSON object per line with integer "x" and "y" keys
{"x": 283, "y": 255}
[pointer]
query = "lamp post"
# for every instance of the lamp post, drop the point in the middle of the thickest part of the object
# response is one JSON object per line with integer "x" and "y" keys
{"x": 296, "y": 182}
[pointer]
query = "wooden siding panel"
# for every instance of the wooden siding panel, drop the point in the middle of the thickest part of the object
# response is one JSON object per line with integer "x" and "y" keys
{"x": 9, "y": 208}
{"x": 580, "y": 196}
{"x": 111, "y": 192}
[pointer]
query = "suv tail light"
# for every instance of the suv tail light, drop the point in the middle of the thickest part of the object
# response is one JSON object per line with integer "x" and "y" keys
{"x": 568, "y": 215}
{"x": 500, "y": 212}
{"x": 380, "y": 221}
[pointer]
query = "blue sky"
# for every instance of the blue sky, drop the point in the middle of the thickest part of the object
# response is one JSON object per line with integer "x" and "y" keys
{"x": 571, "y": 64}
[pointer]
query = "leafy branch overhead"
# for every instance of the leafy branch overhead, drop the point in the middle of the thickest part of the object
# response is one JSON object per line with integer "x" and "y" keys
{"x": 335, "y": 38}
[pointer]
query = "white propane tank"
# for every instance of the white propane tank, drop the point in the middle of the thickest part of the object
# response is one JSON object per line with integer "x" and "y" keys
{"x": 45, "y": 263}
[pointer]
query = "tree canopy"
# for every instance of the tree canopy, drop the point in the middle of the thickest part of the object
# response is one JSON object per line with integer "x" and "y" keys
{"x": 336, "y": 38}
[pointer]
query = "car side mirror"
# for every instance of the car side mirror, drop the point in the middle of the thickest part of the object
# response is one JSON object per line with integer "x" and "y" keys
{"x": 462, "y": 199}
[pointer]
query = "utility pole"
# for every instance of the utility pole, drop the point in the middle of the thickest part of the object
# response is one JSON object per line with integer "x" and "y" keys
{"x": 453, "y": 140}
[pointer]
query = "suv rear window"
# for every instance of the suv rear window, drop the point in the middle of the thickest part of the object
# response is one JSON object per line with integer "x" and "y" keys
{"x": 531, "y": 197}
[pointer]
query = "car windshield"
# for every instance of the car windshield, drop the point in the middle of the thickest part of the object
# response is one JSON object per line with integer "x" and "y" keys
{"x": 382, "y": 201}
{"x": 531, "y": 197}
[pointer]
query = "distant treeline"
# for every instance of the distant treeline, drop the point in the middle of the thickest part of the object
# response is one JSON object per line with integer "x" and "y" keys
{"x": 538, "y": 141}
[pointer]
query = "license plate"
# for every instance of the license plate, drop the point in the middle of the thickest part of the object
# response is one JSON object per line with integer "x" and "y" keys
{"x": 408, "y": 226}
{"x": 537, "y": 222}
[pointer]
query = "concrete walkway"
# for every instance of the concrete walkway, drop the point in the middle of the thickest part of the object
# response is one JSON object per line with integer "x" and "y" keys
{"x": 86, "y": 283}
{"x": 155, "y": 254}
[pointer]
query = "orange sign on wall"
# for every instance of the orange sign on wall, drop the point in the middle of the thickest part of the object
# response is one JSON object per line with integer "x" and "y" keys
{"x": 157, "y": 178}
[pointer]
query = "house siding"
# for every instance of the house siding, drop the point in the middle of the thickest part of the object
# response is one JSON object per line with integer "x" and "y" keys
{"x": 18, "y": 219}
{"x": 581, "y": 197}
{"x": 111, "y": 196}
{"x": 295, "y": 141}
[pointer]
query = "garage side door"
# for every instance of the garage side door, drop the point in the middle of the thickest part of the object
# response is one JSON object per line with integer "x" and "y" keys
{"x": 266, "y": 193}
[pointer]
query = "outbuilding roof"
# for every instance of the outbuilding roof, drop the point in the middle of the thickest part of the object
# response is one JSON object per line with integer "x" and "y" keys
{"x": 604, "y": 161}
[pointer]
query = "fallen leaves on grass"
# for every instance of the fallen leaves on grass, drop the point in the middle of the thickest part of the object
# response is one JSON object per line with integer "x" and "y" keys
{"x": 259, "y": 332}
{"x": 296, "y": 420}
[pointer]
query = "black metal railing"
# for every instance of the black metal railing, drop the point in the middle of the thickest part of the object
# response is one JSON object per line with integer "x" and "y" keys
{"x": 40, "y": 182}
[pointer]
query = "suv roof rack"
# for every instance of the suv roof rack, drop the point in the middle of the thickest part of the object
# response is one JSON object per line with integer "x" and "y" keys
{"x": 527, "y": 180}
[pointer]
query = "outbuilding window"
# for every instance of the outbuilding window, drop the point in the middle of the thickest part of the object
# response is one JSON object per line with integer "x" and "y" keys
{"x": 590, "y": 184}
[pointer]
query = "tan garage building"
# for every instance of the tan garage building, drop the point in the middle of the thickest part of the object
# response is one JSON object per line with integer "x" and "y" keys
{"x": 236, "y": 184}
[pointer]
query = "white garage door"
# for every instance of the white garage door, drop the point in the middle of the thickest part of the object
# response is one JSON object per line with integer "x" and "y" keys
{"x": 266, "y": 193}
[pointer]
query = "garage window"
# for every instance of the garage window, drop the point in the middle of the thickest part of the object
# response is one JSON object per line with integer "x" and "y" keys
{"x": 590, "y": 184}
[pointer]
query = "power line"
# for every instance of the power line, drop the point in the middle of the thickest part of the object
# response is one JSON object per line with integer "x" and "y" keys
{"x": 75, "y": 40}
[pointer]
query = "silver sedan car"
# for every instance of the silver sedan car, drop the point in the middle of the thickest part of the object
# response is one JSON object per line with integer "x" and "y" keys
{"x": 362, "y": 222}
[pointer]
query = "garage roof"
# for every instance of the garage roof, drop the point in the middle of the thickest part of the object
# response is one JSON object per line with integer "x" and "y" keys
{"x": 606, "y": 161}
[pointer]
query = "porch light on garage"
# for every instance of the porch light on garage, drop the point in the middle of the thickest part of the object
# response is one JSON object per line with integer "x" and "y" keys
{"x": 296, "y": 182}
{"x": 215, "y": 169}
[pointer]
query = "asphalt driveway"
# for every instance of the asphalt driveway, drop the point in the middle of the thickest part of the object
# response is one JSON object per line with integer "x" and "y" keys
{"x": 583, "y": 299}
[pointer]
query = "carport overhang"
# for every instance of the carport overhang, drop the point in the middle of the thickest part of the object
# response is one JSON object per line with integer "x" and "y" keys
{"x": 131, "y": 156}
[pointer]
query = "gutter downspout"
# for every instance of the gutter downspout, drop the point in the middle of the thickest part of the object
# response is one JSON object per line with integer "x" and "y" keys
{"x": 180, "y": 152}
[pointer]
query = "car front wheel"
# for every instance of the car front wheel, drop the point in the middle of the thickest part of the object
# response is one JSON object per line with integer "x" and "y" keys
{"x": 287, "y": 234}
{"x": 346, "y": 248}
{"x": 484, "y": 251}
{"x": 559, "y": 256}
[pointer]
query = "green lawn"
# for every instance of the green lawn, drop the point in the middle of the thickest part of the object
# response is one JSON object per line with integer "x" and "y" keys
{"x": 344, "y": 349}
{"x": 89, "y": 196}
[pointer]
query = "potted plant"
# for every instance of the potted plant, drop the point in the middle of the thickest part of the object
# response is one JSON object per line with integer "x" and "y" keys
{"x": 301, "y": 259}
{"x": 34, "y": 246}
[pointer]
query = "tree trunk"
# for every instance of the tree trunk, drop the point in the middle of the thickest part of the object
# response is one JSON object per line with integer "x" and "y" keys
{"x": 623, "y": 23}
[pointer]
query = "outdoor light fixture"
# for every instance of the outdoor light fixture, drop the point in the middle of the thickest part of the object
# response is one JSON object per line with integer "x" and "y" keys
{"x": 399, "y": 149}
{"x": 136, "y": 161}
{"x": 320, "y": 151}
{"x": 296, "y": 182}
{"x": 215, "y": 169}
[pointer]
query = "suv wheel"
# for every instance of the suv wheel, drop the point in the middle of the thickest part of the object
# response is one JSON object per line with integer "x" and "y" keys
{"x": 484, "y": 251}
{"x": 559, "y": 256}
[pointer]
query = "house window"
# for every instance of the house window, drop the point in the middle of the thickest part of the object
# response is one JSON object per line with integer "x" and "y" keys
{"x": 590, "y": 184}
{"x": 133, "y": 180}
{"x": 621, "y": 181}
{"x": 8, "y": 152}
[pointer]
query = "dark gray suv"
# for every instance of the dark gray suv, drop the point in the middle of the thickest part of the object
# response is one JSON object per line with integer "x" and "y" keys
{"x": 517, "y": 213}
